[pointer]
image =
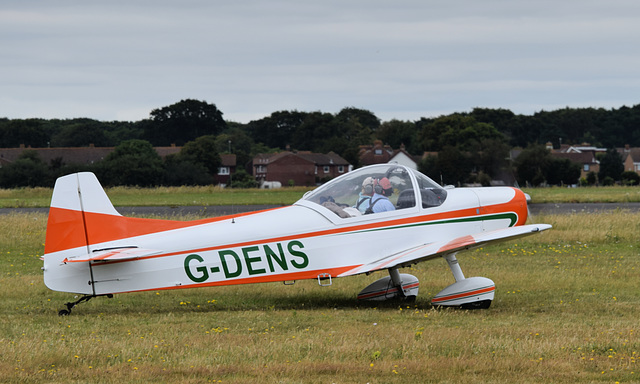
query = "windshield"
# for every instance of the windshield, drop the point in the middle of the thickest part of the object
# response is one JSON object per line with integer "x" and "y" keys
{"x": 377, "y": 188}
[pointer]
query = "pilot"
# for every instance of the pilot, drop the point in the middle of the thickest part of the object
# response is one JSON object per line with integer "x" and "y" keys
{"x": 364, "y": 197}
{"x": 380, "y": 200}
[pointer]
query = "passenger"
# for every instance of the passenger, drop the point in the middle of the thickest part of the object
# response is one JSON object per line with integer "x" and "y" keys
{"x": 364, "y": 197}
{"x": 380, "y": 200}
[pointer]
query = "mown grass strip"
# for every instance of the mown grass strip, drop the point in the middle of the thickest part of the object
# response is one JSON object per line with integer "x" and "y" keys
{"x": 565, "y": 311}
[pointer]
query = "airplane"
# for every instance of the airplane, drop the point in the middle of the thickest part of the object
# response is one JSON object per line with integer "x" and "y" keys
{"x": 92, "y": 250}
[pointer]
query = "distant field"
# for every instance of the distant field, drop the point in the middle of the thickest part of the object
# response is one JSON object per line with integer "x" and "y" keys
{"x": 566, "y": 311}
{"x": 188, "y": 196}
{"x": 163, "y": 196}
{"x": 585, "y": 195}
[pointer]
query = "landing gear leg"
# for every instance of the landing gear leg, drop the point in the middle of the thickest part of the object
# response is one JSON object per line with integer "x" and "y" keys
{"x": 70, "y": 305}
{"x": 454, "y": 266}
{"x": 396, "y": 281}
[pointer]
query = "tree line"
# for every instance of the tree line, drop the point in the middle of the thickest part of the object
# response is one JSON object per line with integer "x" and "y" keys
{"x": 469, "y": 147}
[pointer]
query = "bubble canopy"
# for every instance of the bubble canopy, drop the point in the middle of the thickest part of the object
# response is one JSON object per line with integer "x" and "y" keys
{"x": 408, "y": 189}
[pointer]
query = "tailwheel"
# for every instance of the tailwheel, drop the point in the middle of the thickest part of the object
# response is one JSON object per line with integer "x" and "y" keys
{"x": 70, "y": 305}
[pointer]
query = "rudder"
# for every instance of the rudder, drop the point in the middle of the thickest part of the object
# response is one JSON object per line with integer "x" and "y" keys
{"x": 75, "y": 197}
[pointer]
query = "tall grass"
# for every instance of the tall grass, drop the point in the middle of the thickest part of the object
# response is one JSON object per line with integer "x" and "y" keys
{"x": 565, "y": 311}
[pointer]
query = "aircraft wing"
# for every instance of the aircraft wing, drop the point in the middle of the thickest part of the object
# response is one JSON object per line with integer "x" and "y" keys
{"x": 440, "y": 248}
{"x": 113, "y": 254}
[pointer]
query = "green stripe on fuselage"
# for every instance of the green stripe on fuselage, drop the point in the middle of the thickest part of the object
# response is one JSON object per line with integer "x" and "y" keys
{"x": 499, "y": 216}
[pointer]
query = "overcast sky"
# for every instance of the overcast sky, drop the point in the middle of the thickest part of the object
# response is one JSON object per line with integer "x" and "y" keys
{"x": 118, "y": 60}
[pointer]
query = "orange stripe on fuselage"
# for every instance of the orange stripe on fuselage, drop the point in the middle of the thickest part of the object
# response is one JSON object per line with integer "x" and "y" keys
{"x": 302, "y": 275}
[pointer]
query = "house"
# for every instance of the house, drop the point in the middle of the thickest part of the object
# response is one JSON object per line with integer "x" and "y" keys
{"x": 402, "y": 157}
{"x": 630, "y": 158}
{"x": 226, "y": 170}
{"x": 380, "y": 154}
{"x": 298, "y": 168}
{"x": 584, "y": 154}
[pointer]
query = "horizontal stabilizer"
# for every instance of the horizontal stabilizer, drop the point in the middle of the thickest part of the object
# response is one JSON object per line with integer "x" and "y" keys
{"x": 114, "y": 254}
{"x": 441, "y": 248}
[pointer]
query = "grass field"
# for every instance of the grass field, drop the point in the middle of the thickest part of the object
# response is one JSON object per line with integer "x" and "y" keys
{"x": 162, "y": 196}
{"x": 566, "y": 311}
{"x": 209, "y": 195}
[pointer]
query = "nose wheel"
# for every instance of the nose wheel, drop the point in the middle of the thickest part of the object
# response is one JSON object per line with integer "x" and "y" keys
{"x": 466, "y": 293}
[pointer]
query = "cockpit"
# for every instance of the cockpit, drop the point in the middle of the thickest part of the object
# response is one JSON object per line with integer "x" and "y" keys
{"x": 375, "y": 189}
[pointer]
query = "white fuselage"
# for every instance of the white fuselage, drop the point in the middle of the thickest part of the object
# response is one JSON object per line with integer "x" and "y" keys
{"x": 302, "y": 241}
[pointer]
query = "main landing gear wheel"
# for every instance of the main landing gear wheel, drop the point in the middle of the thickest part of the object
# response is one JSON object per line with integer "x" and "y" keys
{"x": 482, "y": 304}
{"x": 405, "y": 288}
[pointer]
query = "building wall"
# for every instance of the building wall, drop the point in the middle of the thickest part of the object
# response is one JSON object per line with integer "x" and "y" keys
{"x": 402, "y": 159}
{"x": 333, "y": 171}
{"x": 287, "y": 168}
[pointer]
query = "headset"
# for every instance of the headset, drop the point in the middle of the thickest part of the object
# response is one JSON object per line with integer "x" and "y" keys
{"x": 380, "y": 190}
{"x": 377, "y": 187}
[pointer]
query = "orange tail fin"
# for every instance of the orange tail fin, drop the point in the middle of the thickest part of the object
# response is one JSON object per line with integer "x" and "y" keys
{"x": 81, "y": 215}
{"x": 75, "y": 197}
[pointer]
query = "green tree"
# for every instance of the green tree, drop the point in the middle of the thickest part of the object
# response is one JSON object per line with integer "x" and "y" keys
{"x": 535, "y": 165}
{"x": 611, "y": 165}
{"x": 630, "y": 178}
{"x": 357, "y": 118}
{"x": 133, "y": 162}
{"x": 530, "y": 165}
{"x": 315, "y": 130}
{"x": 456, "y": 130}
{"x": 450, "y": 166}
{"x": 493, "y": 158}
{"x": 242, "y": 179}
{"x": 82, "y": 134}
{"x": 355, "y": 127}
{"x": 559, "y": 171}
{"x": 236, "y": 141}
{"x": 182, "y": 122}
{"x": 202, "y": 151}
{"x": 276, "y": 130}
{"x": 430, "y": 167}
{"x": 184, "y": 172}
{"x": 27, "y": 171}
{"x": 30, "y": 132}
{"x": 396, "y": 133}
